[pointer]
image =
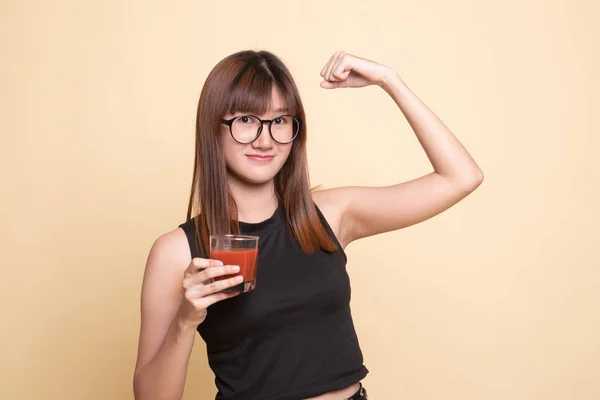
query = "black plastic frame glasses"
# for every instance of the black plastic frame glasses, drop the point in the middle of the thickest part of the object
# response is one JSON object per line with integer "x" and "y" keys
{"x": 229, "y": 123}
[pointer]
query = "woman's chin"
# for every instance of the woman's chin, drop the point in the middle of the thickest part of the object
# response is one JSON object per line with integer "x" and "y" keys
{"x": 254, "y": 179}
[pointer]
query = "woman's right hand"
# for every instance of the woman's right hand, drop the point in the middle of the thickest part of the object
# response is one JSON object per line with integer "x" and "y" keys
{"x": 199, "y": 291}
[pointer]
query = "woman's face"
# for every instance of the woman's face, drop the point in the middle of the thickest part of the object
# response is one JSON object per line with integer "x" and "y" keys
{"x": 257, "y": 162}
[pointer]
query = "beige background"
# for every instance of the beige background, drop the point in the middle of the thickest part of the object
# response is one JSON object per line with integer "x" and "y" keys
{"x": 498, "y": 298}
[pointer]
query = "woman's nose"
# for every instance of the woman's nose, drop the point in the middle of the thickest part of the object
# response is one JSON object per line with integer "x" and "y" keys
{"x": 264, "y": 140}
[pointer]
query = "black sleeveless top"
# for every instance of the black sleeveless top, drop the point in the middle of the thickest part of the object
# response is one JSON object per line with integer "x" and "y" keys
{"x": 292, "y": 337}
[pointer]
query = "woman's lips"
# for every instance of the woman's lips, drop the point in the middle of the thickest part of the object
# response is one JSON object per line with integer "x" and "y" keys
{"x": 256, "y": 157}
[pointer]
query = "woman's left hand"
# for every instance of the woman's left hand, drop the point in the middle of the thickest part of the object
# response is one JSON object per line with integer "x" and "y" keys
{"x": 346, "y": 70}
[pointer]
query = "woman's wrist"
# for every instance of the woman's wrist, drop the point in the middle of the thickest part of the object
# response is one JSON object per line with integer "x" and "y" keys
{"x": 184, "y": 324}
{"x": 388, "y": 79}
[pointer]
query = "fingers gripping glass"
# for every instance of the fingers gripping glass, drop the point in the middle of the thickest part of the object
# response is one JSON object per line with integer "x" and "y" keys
{"x": 246, "y": 129}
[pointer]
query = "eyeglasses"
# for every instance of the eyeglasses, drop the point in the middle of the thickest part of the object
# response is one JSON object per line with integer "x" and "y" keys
{"x": 246, "y": 129}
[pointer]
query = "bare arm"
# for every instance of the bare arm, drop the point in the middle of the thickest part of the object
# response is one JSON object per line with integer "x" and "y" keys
{"x": 174, "y": 301}
{"x": 367, "y": 211}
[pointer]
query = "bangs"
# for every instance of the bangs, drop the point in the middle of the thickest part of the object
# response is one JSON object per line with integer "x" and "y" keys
{"x": 251, "y": 91}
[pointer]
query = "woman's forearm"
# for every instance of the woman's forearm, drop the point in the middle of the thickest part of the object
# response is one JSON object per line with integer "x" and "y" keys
{"x": 163, "y": 378}
{"x": 447, "y": 155}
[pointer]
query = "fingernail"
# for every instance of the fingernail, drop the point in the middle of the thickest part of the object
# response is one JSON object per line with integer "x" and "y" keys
{"x": 218, "y": 263}
{"x": 239, "y": 278}
{"x": 236, "y": 268}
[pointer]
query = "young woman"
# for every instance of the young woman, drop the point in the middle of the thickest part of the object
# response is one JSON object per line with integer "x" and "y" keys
{"x": 293, "y": 336}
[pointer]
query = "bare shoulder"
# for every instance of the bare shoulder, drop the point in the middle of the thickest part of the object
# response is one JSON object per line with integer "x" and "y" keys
{"x": 169, "y": 256}
{"x": 169, "y": 251}
{"x": 333, "y": 203}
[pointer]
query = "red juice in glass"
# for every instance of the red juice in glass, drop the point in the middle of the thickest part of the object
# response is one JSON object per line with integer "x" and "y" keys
{"x": 239, "y": 250}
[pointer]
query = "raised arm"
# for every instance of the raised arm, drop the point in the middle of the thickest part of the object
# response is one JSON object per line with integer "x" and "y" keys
{"x": 367, "y": 211}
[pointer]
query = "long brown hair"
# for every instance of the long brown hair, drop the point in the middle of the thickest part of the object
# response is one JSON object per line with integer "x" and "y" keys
{"x": 244, "y": 81}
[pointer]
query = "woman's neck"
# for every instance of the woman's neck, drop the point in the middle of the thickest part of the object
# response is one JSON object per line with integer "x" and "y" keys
{"x": 255, "y": 203}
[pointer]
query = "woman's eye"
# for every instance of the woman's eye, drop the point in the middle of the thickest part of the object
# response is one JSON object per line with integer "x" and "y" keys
{"x": 280, "y": 120}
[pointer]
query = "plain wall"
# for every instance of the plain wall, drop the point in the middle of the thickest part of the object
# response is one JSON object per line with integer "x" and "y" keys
{"x": 497, "y": 298}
